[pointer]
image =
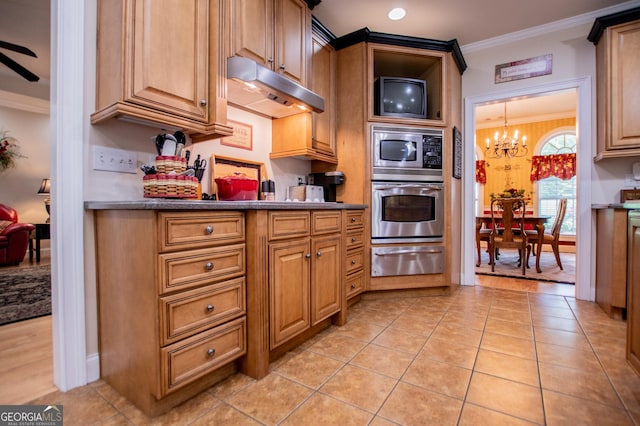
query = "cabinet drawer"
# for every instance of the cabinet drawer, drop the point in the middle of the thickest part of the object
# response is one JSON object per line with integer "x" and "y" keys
{"x": 288, "y": 224}
{"x": 190, "y": 312}
{"x": 355, "y": 260}
{"x": 355, "y": 284}
{"x": 355, "y": 239}
{"x": 187, "y": 269}
{"x": 325, "y": 222}
{"x": 355, "y": 219}
{"x": 191, "y": 358}
{"x": 185, "y": 230}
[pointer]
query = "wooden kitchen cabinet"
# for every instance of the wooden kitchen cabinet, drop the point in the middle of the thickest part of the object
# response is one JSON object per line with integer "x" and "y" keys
{"x": 304, "y": 273}
{"x": 160, "y": 62}
{"x": 611, "y": 261}
{"x": 171, "y": 302}
{"x": 355, "y": 261}
{"x": 617, "y": 87}
{"x": 311, "y": 135}
{"x": 296, "y": 271}
{"x": 633, "y": 311}
{"x": 274, "y": 33}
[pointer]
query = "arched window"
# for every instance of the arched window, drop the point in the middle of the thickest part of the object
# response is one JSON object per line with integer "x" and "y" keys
{"x": 552, "y": 189}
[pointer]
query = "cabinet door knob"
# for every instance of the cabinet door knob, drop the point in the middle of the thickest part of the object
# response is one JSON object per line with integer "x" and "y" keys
{"x": 208, "y": 266}
{"x": 209, "y": 229}
{"x": 211, "y": 352}
{"x": 270, "y": 59}
{"x": 282, "y": 67}
{"x": 203, "y": 102}
{"x": 319, "y": 253}
{"x": 209, "y": 308}
{"x": 308, "y": 255}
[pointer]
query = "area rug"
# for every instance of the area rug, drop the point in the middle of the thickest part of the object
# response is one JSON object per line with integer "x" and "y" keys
{"x": 24, "y": 293}
{"x": 507, "y": 266}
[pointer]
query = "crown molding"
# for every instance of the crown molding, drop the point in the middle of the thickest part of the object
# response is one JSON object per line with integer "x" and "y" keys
{"x": 24, "y": 103}
{"x": 574, "y": 21}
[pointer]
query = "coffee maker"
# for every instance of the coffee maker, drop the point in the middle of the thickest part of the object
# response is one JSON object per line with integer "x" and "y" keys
{"x": 328, "y": 181}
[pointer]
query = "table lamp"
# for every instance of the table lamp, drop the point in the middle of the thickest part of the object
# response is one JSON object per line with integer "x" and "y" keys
{"x": 45, "y": 189}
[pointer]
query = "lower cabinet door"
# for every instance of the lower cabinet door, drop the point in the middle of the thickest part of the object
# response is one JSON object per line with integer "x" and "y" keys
{"x": 289, "y": 264}
{"x": 190, "y": 359}
{"x": 325, "y": 278}
{"x": 633, "y": 302}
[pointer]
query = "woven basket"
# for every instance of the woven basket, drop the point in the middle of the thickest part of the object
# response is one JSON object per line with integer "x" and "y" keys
{"x": 167, "y": 164}
{"x": 170, "y": 186}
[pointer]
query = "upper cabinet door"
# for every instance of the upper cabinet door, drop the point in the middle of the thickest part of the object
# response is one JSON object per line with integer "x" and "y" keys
{"x": 251, "y": 29}
{"x": 293, "y": 39}
{"x": 170, "y": 66}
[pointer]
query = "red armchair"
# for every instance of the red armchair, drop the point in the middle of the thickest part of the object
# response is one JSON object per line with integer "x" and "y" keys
{"x": 14, "y": 236}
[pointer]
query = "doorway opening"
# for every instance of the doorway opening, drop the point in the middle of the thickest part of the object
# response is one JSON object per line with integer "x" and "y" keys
{"x": 538, "y": 113}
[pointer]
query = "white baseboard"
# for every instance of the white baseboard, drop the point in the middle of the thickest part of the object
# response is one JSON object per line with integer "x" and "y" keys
{"x": 93, "y": 367}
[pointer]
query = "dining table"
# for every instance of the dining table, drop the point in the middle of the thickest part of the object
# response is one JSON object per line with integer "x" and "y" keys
{"x": 535, "y": 222}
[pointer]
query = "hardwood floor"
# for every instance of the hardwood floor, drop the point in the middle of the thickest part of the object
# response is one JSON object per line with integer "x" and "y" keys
{"x": 26, "y": 356}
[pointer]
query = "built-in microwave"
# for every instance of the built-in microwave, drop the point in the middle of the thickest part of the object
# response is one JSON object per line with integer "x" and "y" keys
{"x": 406, "y": 153}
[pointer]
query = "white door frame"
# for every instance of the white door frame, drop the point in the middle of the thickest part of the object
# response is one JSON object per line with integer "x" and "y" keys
{"x": 68, "y": 122}
{"x": 584, "y": 288}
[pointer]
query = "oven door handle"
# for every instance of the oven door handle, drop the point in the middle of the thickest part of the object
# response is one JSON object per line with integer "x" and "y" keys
{"x": 400, "y": 251}
{"x": 425, "y": 187}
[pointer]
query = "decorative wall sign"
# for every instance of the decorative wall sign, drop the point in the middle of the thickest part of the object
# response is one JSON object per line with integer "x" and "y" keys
{"x": 457, "y": 153}
{"x": 242, "y": 136}
{"x": 525, "y": 68}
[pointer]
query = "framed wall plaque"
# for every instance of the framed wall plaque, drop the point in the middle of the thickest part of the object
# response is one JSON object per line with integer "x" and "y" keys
{"x": 242, "y": 136}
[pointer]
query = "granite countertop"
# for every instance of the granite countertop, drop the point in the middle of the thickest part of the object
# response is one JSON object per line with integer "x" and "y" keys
{"x": 629, "y": 205}
{"x": 168, "y": 204}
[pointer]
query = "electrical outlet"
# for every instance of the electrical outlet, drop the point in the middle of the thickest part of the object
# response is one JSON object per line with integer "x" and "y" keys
{"x": 114, "y": 160}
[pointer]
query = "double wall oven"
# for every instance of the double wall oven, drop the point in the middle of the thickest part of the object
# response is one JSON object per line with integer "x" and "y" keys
{"x": 407, "y": 200}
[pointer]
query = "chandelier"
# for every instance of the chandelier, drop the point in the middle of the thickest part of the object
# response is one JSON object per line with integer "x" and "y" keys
{"x": 506, "y": 146}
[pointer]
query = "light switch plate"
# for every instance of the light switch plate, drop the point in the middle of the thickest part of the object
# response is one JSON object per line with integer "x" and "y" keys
{"x": 114, "y": 160}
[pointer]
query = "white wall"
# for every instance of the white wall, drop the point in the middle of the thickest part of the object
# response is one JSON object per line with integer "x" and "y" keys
{"x": 19, "y": 185}
{"x": 573, "y": 57}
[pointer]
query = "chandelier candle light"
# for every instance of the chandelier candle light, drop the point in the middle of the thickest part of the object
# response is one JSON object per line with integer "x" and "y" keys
{"x": 506, "y": 146}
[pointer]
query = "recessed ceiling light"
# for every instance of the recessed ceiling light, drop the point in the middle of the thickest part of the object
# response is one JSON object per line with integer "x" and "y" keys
{"x": 397, "y": 13}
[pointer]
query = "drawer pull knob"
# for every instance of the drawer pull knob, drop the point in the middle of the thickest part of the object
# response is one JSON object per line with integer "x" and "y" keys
{"x": 353, "y": 286}
{"x": 211, "y": 352}
{"x": 353, "y": 219}
{"x": 319, "y": 253}
{"x": 308, "y": 255}
{"x": 208, "y": 266}
{"x": 203, "y": 102}
{"x": 210, "y": 308}
{"x": 353, "y": 262}
{"x": 353, "y": 239}
{"x": 209, "y": 229}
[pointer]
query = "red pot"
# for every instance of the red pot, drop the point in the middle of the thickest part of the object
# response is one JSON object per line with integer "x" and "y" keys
{"x": 237, "y": 188}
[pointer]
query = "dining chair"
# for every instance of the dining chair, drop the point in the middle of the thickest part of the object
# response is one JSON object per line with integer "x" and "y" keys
{"x": 552, "y": 235}
{"x": 506, "y": 238}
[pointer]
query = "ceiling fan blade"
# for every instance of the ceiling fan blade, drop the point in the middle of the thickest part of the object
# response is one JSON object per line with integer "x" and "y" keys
{"x": 17, "y": 48}
{"x": 18, "y": 68}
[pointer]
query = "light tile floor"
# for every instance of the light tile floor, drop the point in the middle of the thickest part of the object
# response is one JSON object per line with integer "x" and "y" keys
{"x": 481, "y": 356}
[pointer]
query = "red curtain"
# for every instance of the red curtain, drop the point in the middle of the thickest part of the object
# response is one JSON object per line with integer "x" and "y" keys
{"x": 481, "y": 171}
{"x": 562, "y": 166}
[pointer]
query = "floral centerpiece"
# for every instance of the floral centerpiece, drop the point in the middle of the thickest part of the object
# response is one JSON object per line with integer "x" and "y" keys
{"x": 510, "y": 193}
{"x": 9, "y": 151}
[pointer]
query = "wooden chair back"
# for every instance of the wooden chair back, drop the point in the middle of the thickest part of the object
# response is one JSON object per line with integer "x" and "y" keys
{"x": 505, "y": 224}
{"x": 557, "y": 223}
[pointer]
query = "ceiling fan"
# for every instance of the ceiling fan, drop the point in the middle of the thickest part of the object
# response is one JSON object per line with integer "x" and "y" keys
{"x": 25, "y": 73}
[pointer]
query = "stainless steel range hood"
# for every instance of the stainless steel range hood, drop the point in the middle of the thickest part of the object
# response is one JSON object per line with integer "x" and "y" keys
{"x": 255, "y": 87}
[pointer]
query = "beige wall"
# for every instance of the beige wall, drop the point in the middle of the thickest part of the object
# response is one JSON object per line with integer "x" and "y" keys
{"x": 19, "y": 185}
